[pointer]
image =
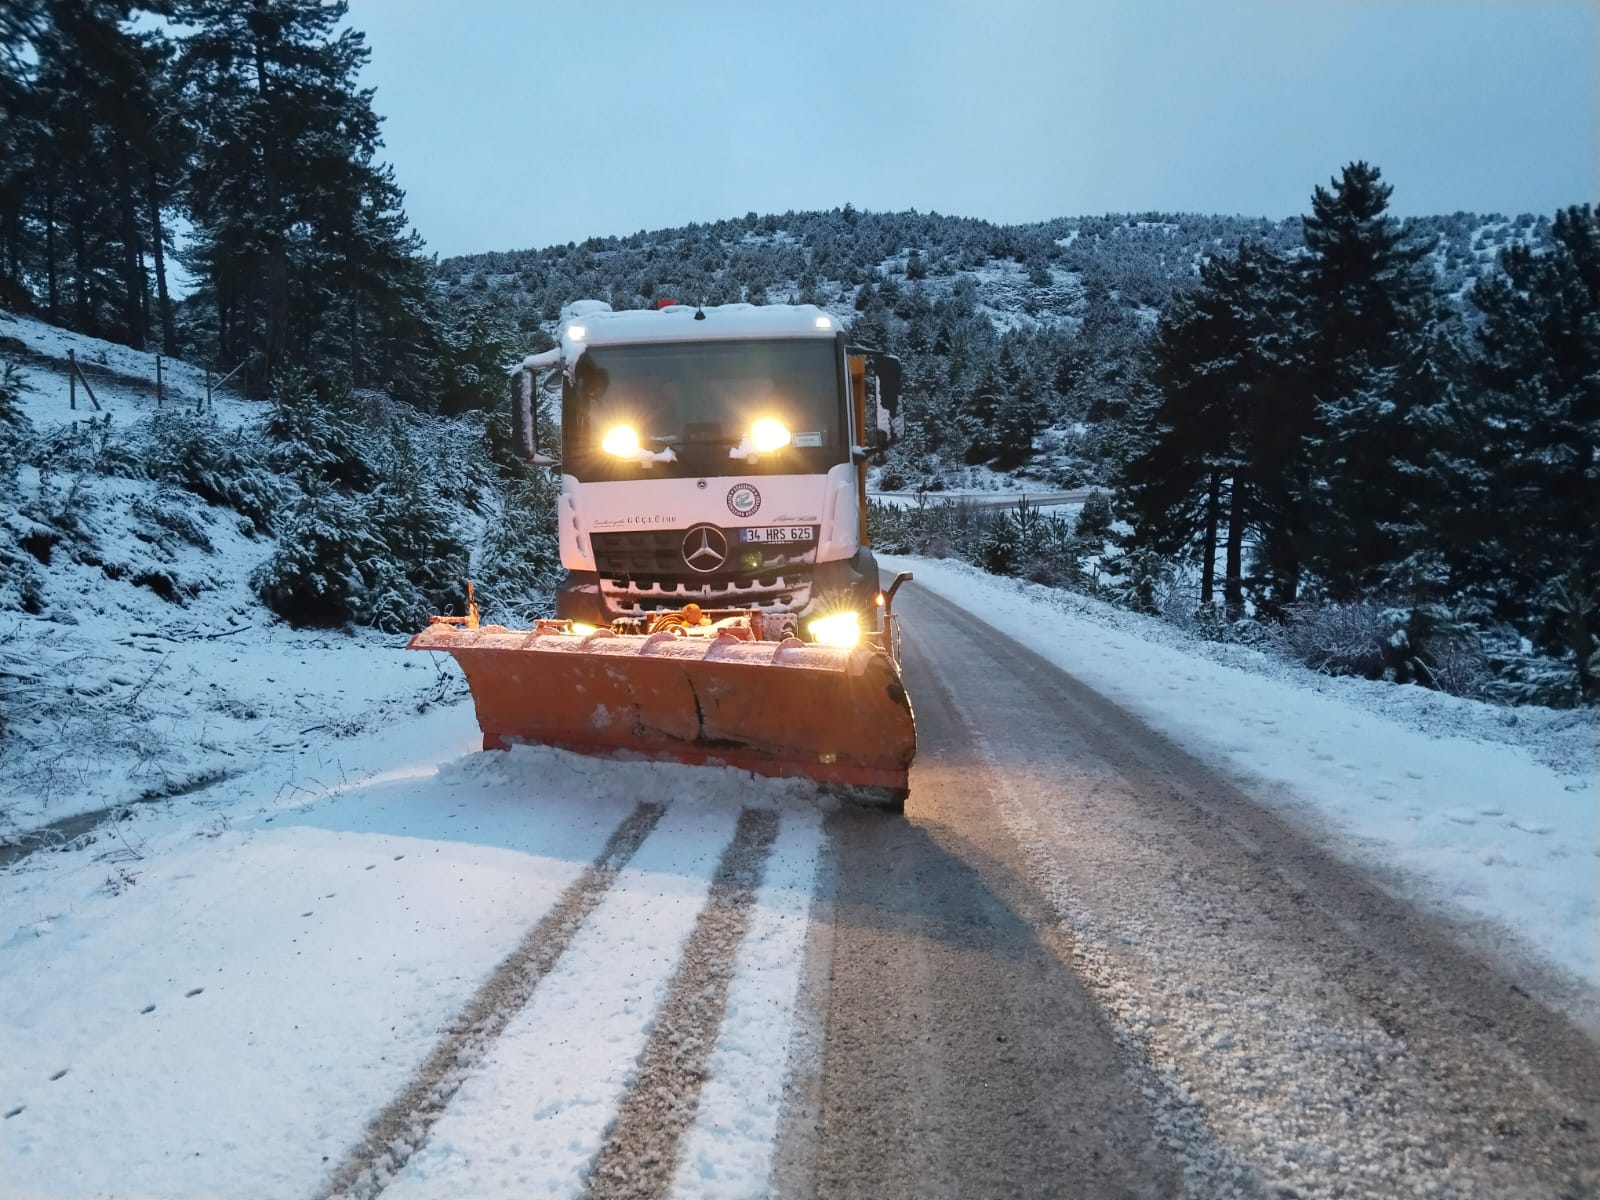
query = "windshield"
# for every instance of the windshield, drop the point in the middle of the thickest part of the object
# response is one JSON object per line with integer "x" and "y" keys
{"x": 693, "y": 407}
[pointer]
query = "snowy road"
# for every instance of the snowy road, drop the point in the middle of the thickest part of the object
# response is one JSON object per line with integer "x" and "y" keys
{"x": 1084, "y": 963}
{"x": 1088, "y": 965}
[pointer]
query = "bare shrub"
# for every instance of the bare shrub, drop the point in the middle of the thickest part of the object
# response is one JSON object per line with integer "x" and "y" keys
{"x": 1460, "y": 666}
{"x": 1337, "y": 639}
{"x": 1378, "y": 638}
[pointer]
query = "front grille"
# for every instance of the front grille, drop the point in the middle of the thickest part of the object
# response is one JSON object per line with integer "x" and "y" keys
{"x": 659, "y": 553}
{"x": 633, "y": 597}
{"x": 644, "y": 571}
{"x": 651, "y": 552}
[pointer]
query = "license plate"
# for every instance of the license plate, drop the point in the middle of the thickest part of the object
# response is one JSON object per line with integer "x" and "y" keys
{"x": 766, "y": 534}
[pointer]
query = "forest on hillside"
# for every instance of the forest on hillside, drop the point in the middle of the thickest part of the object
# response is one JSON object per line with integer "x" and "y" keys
{"x": 234, "y": 142}
{"x": 1382, "y": 433}
{"x": 1385, "y": 431}
{"x": 232, "y": 146}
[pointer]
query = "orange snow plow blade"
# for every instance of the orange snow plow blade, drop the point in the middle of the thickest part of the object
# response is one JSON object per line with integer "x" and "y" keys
{"x": 789, "y": 709}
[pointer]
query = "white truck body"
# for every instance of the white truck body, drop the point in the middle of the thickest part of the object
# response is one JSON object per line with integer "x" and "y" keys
{"x": 698, "y": 514}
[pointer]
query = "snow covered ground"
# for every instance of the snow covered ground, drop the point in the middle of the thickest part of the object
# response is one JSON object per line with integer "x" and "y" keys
{"x": 300, "y": 935}
{"x": 220, "y": 994}
{"x": 37, "y": 344}
{"x": 214, "y": 994}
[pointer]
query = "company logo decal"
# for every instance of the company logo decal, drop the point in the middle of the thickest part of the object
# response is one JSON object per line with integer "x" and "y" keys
{"x": 705, "y": 548}
{"x": 743, "y": 500}
{"x": 637, "y": 519}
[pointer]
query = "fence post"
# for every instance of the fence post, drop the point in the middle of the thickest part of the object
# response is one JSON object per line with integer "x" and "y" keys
{"x": 159, "y": 396}
{"x": 72, "y": 380}
{"x": 208, "y": 391}
{"x": 72, "y": 358}
{"x": 209, "y": 397}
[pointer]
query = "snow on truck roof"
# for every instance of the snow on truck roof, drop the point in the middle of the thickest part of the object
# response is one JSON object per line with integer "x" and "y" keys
{"x": 678, "y": 322}
{"x": 595, "y": 323}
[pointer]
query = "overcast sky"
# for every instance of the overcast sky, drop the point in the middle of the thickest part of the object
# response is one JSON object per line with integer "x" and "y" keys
{"x": 521, "y": 123}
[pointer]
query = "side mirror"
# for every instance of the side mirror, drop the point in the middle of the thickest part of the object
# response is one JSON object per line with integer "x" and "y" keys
{"x": 525, "y": 419}
{"x": 877, "y": 445}
{"x": 883, "y": 392}
{"x": 887, "y": 368}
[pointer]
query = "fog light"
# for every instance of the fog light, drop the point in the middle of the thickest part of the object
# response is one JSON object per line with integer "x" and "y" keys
{"x": 841, "y": 629}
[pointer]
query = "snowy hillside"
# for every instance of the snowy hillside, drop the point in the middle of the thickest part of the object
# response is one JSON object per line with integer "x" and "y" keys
{"x": 136, "y": 659}
{"x": 1025, "y": 346}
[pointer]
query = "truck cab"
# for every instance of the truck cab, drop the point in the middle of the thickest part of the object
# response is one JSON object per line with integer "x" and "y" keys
{"x": 715, "y": 456}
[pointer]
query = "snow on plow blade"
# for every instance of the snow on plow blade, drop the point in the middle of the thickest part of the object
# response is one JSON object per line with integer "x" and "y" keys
{"x": 787, "y": 708}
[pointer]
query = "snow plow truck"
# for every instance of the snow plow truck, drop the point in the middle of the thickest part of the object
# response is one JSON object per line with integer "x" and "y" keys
{"x": 722, "y": 603}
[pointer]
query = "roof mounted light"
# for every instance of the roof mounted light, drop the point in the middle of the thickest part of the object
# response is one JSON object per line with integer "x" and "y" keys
{"x": 577, "y": 332}
{"x": 824, "y": 323}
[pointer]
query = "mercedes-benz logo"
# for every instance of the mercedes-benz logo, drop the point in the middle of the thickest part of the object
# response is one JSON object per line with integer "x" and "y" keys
{"x": 705, "y": 548}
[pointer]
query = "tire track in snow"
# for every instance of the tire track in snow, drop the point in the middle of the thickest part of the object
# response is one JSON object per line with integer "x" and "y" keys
{"x": 755, "y": 1069}
{"x": 533, "y": 1116}
{"x": 641, "y": 1150}
{"x": 401, "y": 1128}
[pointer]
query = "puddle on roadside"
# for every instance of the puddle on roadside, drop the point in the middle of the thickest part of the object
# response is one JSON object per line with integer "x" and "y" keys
{"x": 61, "y": 834}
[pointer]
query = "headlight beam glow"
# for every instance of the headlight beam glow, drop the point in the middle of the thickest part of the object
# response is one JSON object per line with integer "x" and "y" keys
{"x": 621, "y": 440}
{"x": 767, "y": 435}
{"x": 841, "y": 629}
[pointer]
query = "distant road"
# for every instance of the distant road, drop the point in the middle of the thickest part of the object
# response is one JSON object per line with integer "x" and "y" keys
{"x": 988, "y": 499}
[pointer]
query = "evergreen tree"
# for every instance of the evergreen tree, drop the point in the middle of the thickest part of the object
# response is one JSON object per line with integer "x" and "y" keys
{"x": 1222, "y": 461}
{"x": 520, "y": 564}
{"x": 15, "y": 428}
{"x": 1366, "y": 302}
{"x": 300, "y": 243}
{"x": 978, "y": 410}
{"x": 84, "y": 133}
{"x": 316, "y": 438}
{"x": 1019, "y": 414}
{"x": 423, "y": 557}
{"x": 21, "y": 26}
{"x": 1442, "y": 490}
{"x": 473, "y": 343}
{"x": 1539, "y": 563}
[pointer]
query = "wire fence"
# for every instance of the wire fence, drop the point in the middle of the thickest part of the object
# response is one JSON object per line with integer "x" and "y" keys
{"x": 77, "y": 378}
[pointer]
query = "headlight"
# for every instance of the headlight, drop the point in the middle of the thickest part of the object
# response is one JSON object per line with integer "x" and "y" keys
{"x": 622, "y": 441}
{"x": 767, "y": 435}
{"x": 841, "y": 629}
